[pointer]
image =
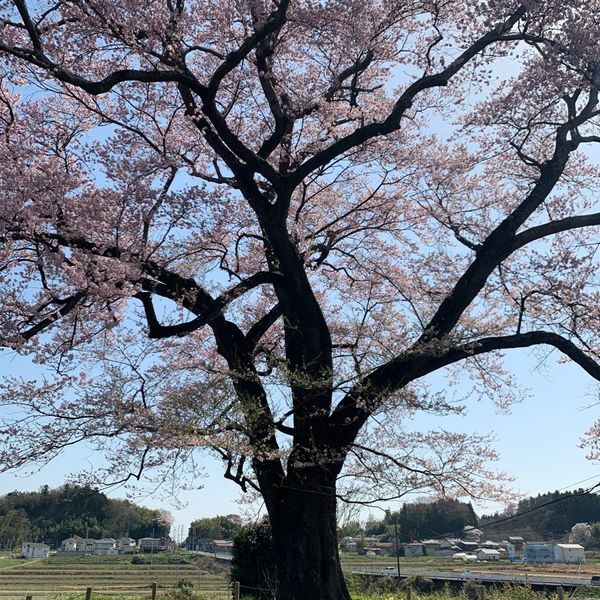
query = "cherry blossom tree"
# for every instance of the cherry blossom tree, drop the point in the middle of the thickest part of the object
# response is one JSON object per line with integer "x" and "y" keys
{"x": 253, "y": 227}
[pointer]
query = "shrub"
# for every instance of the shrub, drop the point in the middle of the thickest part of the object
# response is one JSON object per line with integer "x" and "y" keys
{"x": 418, "y": 583}
{"x": 253, "y": 561}
{"x": 138, "y": 559}
{"x": 184, "y": 590}
{"x": 471, "y": 590}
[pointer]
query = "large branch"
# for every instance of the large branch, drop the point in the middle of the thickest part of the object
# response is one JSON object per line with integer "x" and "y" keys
{"x": 38, "y": 59}
{"x": 66, "y": 306}
{"x": 157, "y": 279}
{"x": 206, "y": 308}
{"x": 500, "y": 243}
{"x": 554, "y": 227}
{"x": 366, "y": 397}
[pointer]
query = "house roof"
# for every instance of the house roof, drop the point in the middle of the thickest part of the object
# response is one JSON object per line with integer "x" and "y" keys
{"x": 35, "y": 545}
{"x": 420, "y": 544}
{"x": 571, "y": 546}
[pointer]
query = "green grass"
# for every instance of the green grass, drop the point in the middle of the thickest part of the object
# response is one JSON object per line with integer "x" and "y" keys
{"x": 490, "y": 595}
{"x": 513, "y": 593}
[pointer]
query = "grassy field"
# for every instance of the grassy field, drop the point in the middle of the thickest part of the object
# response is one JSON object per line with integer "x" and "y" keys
{"x": 108, "y": 576}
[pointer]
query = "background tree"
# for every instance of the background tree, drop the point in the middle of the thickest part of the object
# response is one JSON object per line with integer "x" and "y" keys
{"x": 580, "y": 534}
{"x": 52, "y": 515}
{"x": 212, "y": 528}
{"x": 551, "y": 515}
{"x": 350, "y": 529}
{"x": 253, "y": 562}
{"x": 15, "y": 528}
{"x": 254, "y": 227}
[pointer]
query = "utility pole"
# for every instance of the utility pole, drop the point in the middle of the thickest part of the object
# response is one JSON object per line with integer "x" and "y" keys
{"x": 395, "y": 518}
{"x": 397, "y": 549}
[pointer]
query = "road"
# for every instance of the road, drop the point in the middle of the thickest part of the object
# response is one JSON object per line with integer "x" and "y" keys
{"x": 466, "y": 575}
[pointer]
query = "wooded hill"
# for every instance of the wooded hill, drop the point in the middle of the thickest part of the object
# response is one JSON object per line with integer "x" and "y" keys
{"x": 545, "y": 516}
{"x": 51, "y": 515}
{"x": 419, "y": 520}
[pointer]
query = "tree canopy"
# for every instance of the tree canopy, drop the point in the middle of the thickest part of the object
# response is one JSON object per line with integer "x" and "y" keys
{"x": 253, "y": 227}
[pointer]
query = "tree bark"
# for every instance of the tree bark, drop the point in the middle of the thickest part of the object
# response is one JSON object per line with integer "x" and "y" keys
{"x": 303, "y": 521}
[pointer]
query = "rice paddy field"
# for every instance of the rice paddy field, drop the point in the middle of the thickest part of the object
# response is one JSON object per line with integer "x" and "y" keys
{"x": 116, "y": 577}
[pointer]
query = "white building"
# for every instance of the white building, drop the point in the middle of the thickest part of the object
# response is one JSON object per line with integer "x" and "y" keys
{"x": 74, "y": 543}
{"x": 126, "y": 544}
{"x": 538, "y": 552}
{"x": 70, "y": 545}
{"x": 34, "y": 550}
{"x": 487, "y": 554}
{"x": 105, "y": 546}
{"x": 151, "y": 544}
{"x": 569, "y": 553}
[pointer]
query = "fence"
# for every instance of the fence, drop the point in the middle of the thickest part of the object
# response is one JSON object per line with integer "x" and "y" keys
{"x": 234, "y": 590}
{"x": 152, "y": 591}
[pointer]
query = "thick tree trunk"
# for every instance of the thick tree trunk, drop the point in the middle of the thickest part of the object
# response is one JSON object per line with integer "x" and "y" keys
{"x": 304, "y": 528}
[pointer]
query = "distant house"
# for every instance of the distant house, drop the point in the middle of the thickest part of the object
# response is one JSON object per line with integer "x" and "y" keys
{"x": 386, "y": 548}
{"x": 105, "y": 547}
{"x": 538, "y": 552}
{"x": 515, "y": 545}
{"x": 440, "y": 547}
{"x": 151, "y": 544}
{"x": 412, "y": 549}
{"x": 487, "y": 554}
{"x": 126, "y": 544}
{"x": 75, "y": 545}
{"x": 69, "y": 545}
{"x": 569, "y": 553}
{"x": 431, "y": 546}
{"x": 34, "y": 550}
{"x": 348, "y": 544}
{"x": 467, "y": 546}
{"x": 222, "y": 547}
